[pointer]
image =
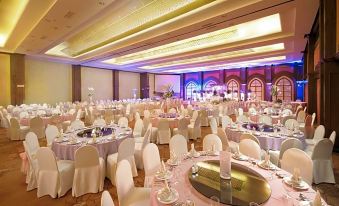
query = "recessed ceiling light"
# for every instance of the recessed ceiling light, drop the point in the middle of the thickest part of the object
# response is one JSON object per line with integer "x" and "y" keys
{"x": 221, "y": 56}
{"x": 252, "y": 29}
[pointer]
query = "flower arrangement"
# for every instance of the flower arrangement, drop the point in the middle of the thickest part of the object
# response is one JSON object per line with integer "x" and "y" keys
{"x": 274, "y": 92}
{"x": 168, "y": 91}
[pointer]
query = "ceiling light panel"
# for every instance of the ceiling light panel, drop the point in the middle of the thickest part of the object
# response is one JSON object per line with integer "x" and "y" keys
{"x": 221, "y": 56}
{"x": 10, "y": 13}
{"x": 255, "y": 62}
{"x": 129, "y": 19}
{"x": 252, "y": 29}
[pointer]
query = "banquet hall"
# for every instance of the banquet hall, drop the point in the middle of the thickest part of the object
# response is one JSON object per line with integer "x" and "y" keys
{"x": 169, "y": 102}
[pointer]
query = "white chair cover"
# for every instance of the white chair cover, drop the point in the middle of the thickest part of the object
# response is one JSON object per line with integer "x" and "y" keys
{"x": 291, "y": 124}
{"x": 77, "y": 124}
{"x": 296, "y": 158}
{"x": 164, "y": 132}
{"x": 17, "y": 132}
{"x": 89, "y": 171}
{"x": 37, "y": 126}
{"x": 32, "y": 171}
{"x": 106, "y": 199}
{"x": 194, "y": 130}
{"x": 301, "y": 117}
{"x": 225, "y": 121}
{"x": 123, "y": 122}
{"x": 214, "y": 126}
{"x": 178, "y": 144}
{"x": 322, "y": 162}
{"x": 99, "y": 122}
{"x": 319, "y": 134}
{"x": 333, "y": 137}
{"x": 172, "y": 111}
{"x": 182, "y": 128}
{"x": 151, "y": 160}
{"x": 242, "y": 118}
{"x": 289, "y": 143}
{"x": 266, "y": 120}
{"x": 147, "y": 114}
{"x": 249, "y": 136}
{"x": 137, "y": 116}
{"x": 139, "y": 147}
{"x": 250, "y": 148}
{"x": 125, "y": 151}
{"x": 128, "y": 194}
{"x": 209, "y": 141}
{"x": 51, "y": 133}
{"x": 54, "y": 178}
{"x": 204, "y": 118}
{"x": 138, "y": 127}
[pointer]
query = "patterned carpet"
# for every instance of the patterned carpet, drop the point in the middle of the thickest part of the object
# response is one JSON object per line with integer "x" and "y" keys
{"x": 13, "y": 187}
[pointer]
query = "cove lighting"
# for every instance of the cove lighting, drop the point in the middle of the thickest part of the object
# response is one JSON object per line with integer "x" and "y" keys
{"x": 248, "y": 30}
{"x": 232, "y": 65}
{"x": 11, "y": 11}
{"x": 221, "y": 56}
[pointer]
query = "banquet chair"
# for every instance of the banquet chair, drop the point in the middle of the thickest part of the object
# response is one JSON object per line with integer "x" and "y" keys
{"x": 214, "y": 126}
{"x": 89, "y": 171}
{"x": 265, "y": 119}
{"x": 252, "y": 111}
{"x": 226, "y": 144}
{"x": 128, "y": 194}
{"x": 172, "y": 111}
{"x": 313, "y": 118}
{"x": 147, "y": 114}
{"x": 182, "y": 128}
{"x": 17, "y": 132}
{"x": 138, "y": 127}
{"x": 301, "y": 117}
{"x": 284, "y": 119}
{"x": 164, "y": 132}
{"x": 23, "y": 114}
{"x": 240, "y": 112}
{"x": 51, "y": 133}
{"x": 33, "y": 143}
{"x": 125, "y": 151}
{"x": 123, "y": 122}
{"x": 291, "y": 124}
{"x": 55, "y": 178}
{"x": 287, "y": 112}
{"x": 194, "y": 130}
{"x": 37, "y": 126}
{"x": 276, "y": 156}
{"x": 249, "y": 136}
{"x": 32, "y": 170}
{"x": 296, "y": 158}
{"x": 250, "y": 148}
{"x": 333, "y": 136}
{"x": 128, "y": 113}
{"x": 139, "y": 147}
{"x": 322, "y": 162}
{"x": 319, "y": 134}
{"x": 242, "y": 118}
{"x": 77, "y": 124}
{"x": 215, "y": 114}
{"x": 137, "y": 116}
{"x": 99, "y": 122}
{"x": 106, "y": 199}
{"x": 225, "y": 121}
{"x": 210, "y": 140}
{"x": 109, "y": 116}
{"x": 204, "y": 118}
{"x": 194, "y": 116}
{"x": 178, "y": 144}
{"x": 151, "y": 161}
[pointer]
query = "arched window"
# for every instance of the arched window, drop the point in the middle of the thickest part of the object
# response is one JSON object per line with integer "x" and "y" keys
{"x": 209, "y": 85}
{"x": 190, "y": 87}
{"x": 257, "y": 89}
{"x": 233, "y": 86}
{"x": 285, "y": 88}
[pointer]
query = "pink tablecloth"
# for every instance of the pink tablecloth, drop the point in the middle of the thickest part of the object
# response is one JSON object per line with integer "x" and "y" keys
{"x": 266, "y": 142}
{"x": 275, "y": 119}
{"x": 186, "y": 190}
{"x": 47, "y": 120}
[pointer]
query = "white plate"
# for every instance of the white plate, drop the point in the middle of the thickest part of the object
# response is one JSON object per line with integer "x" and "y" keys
{"x": 240, "y": 158}
{"x": 172, "y": 198}
{"x": 266, "y": 167}
{"x": 167, "y": 176}
{"x": 196, "y": 155}
{"x": 73, "y": 143}
{"x": 301, "y": 186}
{"x": 170, "y": 162}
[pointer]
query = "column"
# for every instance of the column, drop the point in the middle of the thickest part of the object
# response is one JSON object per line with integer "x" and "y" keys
{"x": 144, "y": 85}
{"x": 17, "y": 70}
{"x": 76, "y": 83}
{"x": 115, "y": 84}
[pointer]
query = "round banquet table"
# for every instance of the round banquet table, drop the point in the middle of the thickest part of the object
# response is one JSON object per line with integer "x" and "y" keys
{"x": 173, "y": 122}
{"x": 275, "y": 118}
{"x": 66, "y": 151}
{"x": 268, "y": 140}
{"x": 47, "y": 120}
{"x": 187, "y": 191}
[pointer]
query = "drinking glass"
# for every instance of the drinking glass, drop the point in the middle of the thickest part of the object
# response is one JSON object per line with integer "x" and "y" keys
{"x": 214, "y": 201}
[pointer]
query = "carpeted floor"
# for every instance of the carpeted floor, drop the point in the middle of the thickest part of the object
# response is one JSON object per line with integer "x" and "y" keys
{"x": 13, "y": 187}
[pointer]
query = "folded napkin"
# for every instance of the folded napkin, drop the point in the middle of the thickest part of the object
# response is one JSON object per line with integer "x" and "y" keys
{"x": 296, "y": 175}
{"x": 317, "y": 199}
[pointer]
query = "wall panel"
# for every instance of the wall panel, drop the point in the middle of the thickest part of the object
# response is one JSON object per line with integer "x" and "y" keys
{"x": 5, "y": 84}
{"x": 129, "y": 82}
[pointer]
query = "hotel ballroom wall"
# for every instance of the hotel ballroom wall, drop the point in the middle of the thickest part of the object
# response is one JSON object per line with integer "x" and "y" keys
{"x": 5, "y": 87}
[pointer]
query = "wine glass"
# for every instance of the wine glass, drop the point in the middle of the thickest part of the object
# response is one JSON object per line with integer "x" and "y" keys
{"x": 214, "y": 201}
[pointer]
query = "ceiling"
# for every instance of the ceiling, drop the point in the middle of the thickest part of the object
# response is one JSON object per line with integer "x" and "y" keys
{"x": 158, "y": 36}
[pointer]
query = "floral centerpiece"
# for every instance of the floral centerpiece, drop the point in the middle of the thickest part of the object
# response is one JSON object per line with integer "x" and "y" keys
{"x": 168, "y": 91}
{"x": 274, "y": 93}
{"x": 90, "y": 94}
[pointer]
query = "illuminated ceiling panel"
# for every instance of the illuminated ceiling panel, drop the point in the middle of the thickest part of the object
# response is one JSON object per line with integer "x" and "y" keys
{"x": 119, "y": 25}
{"x": 221, "y": 56}
{"x": 252, "y": 29}
{"x": 254, "y": 62}
{"x": 10, "y": 13}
